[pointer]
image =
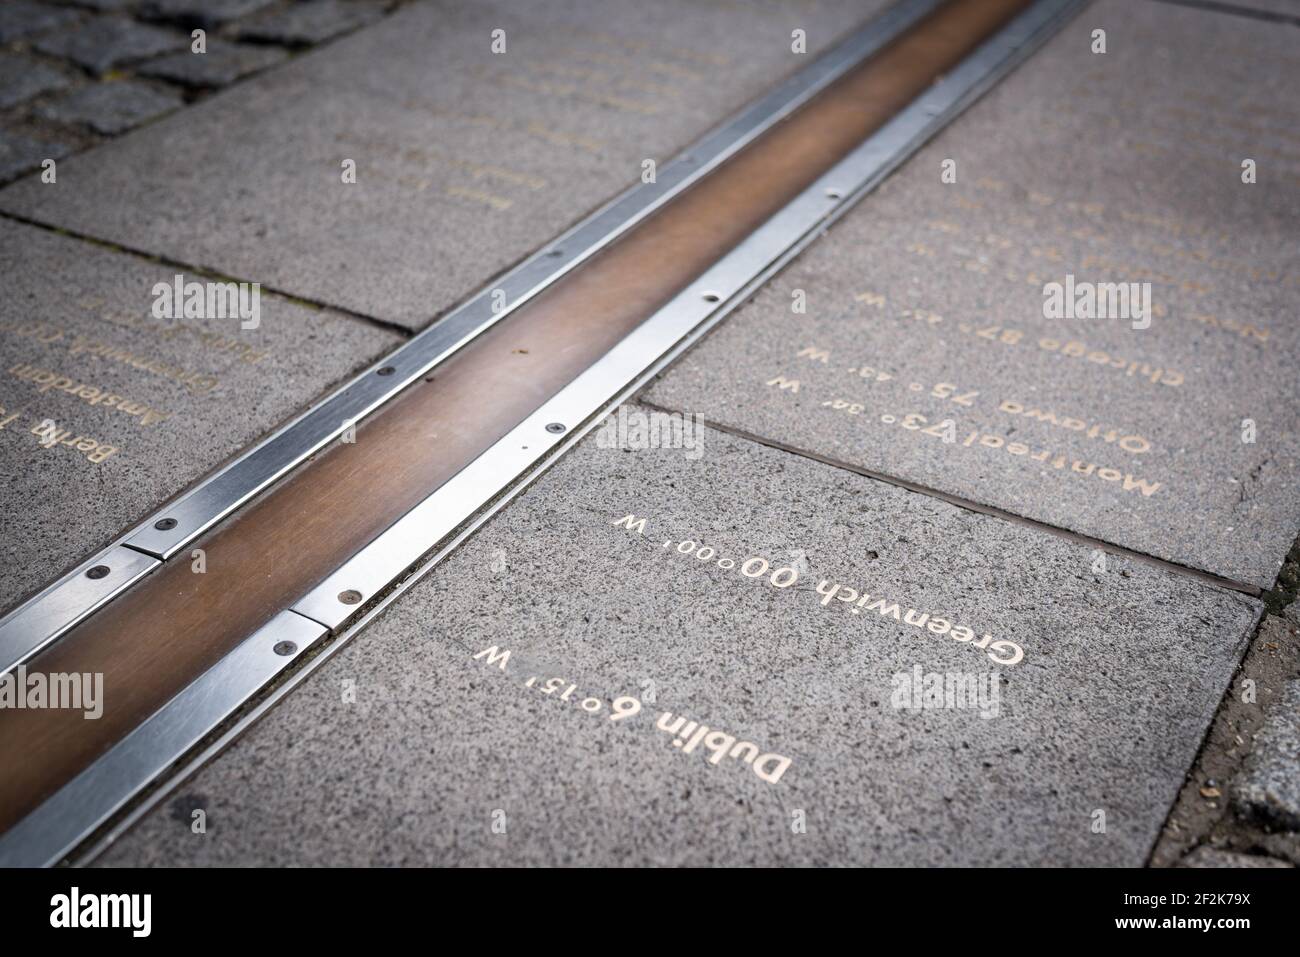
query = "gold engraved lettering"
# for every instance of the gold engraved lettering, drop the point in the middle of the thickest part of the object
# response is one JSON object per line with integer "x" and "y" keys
{"x": 46, "y": 380}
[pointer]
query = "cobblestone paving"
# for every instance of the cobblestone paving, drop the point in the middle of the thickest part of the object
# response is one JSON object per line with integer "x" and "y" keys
{"x": 76, "y": 72}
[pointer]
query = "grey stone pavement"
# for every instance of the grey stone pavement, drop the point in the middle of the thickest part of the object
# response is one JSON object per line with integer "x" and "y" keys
{"x": 543, "y": 133}
{"x": 1069, "y": 754}
{"x": 367, "y": 245}
{"x": 906, "y": 680}
{"x": 924, "y": 352}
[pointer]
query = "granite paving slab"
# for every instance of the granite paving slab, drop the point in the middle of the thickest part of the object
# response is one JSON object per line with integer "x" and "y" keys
{"x": 465, "y": 160}
{"x": 928, "y": 348}
{"x": 110, "y": 108}
{"x": 20, "y": 19}
{"x": 221, "y": 65}
{"x": 310, "y": 22}
{"x": 109, "y": 410}
{"x": 721, "y": 653}
{"x": 102, "y": 43}
{"x": 20, "y": 152}
{"x": 22, "y": 78}
{"x": 203, "y": 13}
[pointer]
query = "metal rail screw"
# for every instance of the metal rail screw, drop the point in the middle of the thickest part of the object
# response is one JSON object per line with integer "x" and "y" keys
{"x": 165, "y": 524}
{"x": 555, "y": 427}
{"x": 284, "y": 648}
{"x": 99, "y": 571}
{"x": 350, "y": 597}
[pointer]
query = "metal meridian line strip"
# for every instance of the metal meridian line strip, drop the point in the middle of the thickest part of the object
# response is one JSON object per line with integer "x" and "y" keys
{"x": 45, "y": 616}
{"x": 48, "y": 614}
{"x": 42, "y": 839}
{"x": 911, "y": 109}
{"x": 334, "y": 602}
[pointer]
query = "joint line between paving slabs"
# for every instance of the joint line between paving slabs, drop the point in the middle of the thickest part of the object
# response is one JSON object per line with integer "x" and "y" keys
{"x": 209, "y": 273}
{"x": 1233, "y": 10}
{"x": 1242, "y": 588}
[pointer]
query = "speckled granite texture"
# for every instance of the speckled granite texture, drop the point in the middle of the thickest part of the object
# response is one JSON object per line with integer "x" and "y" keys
{"x": 413, "y": 746}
